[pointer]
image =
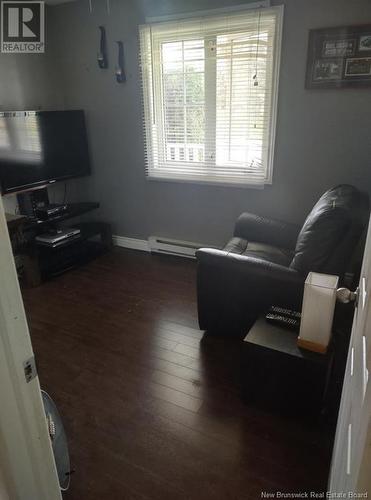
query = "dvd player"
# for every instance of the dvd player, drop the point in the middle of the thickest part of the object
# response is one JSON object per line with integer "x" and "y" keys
{"x": 58, "y": 237}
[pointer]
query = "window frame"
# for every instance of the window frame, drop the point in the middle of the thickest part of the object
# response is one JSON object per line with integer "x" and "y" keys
{"x": 157, "y": 107}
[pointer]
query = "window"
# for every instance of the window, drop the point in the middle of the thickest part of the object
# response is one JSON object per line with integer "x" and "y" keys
{"x": 210, "y": 92}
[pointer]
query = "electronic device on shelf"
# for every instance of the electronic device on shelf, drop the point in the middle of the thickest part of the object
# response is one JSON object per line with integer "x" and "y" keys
{"x": 58, "y": 237}
{"x": 35, "y": 205}
{"x": 285, "y": 318}
{"x": 51, "y": 210}
{"x": 41, "y": 147}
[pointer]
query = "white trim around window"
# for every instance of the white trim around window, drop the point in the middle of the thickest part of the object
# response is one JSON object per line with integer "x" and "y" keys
{"x": 210, "y": 88}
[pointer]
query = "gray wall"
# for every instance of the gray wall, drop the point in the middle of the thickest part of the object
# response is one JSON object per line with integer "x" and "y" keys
{"x": 322, "y": 136}
{"x": 24, "y": 82}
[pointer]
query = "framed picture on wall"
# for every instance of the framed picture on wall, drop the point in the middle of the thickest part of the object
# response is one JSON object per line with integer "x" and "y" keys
{"x": 339, "y": 57}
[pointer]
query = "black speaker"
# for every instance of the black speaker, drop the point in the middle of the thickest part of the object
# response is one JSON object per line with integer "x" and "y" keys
{"x": 29, "y": 202}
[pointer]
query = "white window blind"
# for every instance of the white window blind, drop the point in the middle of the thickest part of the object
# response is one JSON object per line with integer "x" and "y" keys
{"x": 209, "y": 93}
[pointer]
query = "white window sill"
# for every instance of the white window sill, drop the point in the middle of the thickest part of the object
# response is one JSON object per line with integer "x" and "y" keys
{"x": 209, "y": 182}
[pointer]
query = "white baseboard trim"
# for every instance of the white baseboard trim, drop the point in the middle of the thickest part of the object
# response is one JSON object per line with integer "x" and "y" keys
{"x": 133, "y": 243}
{"x": 160, "y": 245}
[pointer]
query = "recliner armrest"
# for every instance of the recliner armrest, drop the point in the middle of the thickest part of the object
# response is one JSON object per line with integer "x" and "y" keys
{"x": 253, "y": 227}
{"x": 272, "y": 283}
{"x": 248, "y": 265}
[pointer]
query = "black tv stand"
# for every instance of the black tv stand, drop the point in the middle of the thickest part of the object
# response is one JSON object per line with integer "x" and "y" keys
{"x": 72, "y": 210}
{"x": 42, "y": 262}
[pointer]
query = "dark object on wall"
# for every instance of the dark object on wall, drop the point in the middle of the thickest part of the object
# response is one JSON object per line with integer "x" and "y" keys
{"x": 339, "y": 57}
{"x": 120, "y": 72}
{"x": 267, "y": 261}
{"x": 102, "y": 54}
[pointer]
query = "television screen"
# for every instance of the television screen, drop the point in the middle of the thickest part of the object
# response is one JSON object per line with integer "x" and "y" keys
{"x": 41, "y": 147}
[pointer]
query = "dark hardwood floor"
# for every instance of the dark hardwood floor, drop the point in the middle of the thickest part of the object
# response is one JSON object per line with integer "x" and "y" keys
{"x": 152, "y": 410}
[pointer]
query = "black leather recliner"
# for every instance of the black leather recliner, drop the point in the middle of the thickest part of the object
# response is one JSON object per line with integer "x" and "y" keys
{"x": 267, "y": 261}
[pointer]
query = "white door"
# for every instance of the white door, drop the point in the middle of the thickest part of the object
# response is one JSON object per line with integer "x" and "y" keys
{"x": 27, "y": 468}
{"x": 352, "y": 442}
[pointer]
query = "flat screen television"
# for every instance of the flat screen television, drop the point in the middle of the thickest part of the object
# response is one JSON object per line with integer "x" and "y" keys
{"x": 41, "y": 147}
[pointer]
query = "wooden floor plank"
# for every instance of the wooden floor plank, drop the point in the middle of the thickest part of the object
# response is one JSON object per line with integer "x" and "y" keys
{"x": 152, "y": 407}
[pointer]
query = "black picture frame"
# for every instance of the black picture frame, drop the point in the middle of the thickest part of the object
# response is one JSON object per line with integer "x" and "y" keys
{"x": 339, "y": 57}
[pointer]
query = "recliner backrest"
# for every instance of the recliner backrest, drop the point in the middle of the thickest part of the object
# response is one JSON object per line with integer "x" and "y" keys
{"x": 331, "y": 231}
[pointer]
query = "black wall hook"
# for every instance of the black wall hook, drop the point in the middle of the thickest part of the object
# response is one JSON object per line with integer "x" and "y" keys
{"x": 102, "y": 54}
{"x": 120, "y": 72}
